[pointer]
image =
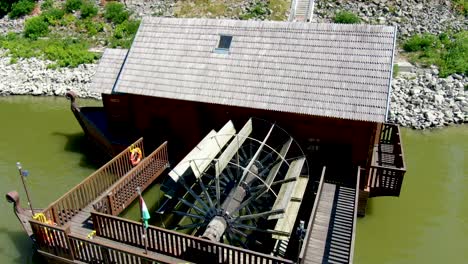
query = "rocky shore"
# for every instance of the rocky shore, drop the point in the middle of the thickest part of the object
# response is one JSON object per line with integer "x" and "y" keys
{"x": 32, "y": 77}
{"x": 410, "y": 16}
{"x": 422, "y": 100}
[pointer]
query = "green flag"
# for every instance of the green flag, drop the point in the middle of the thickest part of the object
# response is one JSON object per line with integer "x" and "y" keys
{"x": 145, "y": 215}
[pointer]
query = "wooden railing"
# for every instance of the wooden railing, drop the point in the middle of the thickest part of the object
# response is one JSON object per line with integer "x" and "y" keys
{"x": 390, "y": 136}
{"x": 123, "y": 192}
{"x": 52, "y": 239}
{"x": 59, "y": 242}
{"x": 385, "y": 175}
{"x": 175, "y": 244}
{"x": 89, "y": 251}
{"x": 305, "y": 243}
{"x": 356, "y": 204}
{"x": 71, "y": 203}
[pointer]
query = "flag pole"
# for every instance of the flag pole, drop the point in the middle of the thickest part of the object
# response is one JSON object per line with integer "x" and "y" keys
{"x": 23, "y": 174}
{"x": 143, "y": 222}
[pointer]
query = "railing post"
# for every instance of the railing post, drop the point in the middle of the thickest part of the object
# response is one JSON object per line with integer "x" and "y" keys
{"x": 54, "y": 214}
{"x": 67, "y": 240}
{"x": 110, "y": 203}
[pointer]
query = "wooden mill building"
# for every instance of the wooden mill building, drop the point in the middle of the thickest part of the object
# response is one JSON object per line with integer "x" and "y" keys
{"x": 328, "y": 85}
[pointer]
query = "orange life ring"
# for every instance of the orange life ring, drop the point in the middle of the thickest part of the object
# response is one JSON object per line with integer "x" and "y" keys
{"x": 135, "y": 156}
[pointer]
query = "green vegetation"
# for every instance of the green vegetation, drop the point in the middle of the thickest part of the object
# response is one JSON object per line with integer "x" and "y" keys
{"x": 278, "y": 8}
{"x": 116, "y": 13}
{"x": 447, "y": 51}
{"x": 257, "y": 10}
{"x": 72, "y": 5}
{"x": 21, "y": 8}
{"x": 461, "y": 6}
{"x": 65, "y": 52}
{"x": 47, "y": 4}
{"x": 64, "y": 36}
{"x": 36, "y": 27}
{"x": 124, "y": 34}
{"x": 206, "y": 8}
{"x": 396, "y": 70}
{"x": 269, "y": 10}
{"x": 345, "y": 17}
{"x": 53, "y": 16}
{"x": 88, "y": 9}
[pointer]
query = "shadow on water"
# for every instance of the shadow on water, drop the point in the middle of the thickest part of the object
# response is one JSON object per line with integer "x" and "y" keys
{"x": 78, "y": 143}
{"x": 24, "y": 245}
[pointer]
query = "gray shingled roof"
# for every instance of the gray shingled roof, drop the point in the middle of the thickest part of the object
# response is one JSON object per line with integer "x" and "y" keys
{"x": 333, "y": 70}
{"x": 108, "y": 70}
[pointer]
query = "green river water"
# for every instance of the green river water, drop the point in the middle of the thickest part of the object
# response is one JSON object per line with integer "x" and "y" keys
{"x": 427, "y": 224}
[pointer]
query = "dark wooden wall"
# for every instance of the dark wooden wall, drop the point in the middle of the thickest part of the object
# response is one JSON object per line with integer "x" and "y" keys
{"x": 184, "y": 123}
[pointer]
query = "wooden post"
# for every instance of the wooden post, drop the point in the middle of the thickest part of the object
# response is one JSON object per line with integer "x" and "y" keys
{"x": 67, "y": 240}
{"x": 109, "y": 204}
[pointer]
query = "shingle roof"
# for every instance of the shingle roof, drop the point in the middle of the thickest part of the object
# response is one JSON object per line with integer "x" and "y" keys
{"x": 333, "y": 70}
{"x": 108, "y": 70}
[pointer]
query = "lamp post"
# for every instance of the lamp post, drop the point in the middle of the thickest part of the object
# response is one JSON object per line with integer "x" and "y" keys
{"x": 23, "y": 174}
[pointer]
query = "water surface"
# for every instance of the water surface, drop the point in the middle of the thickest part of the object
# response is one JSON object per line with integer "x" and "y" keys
{"x": 41, "y": 133}
{"x": 428, "y": 223}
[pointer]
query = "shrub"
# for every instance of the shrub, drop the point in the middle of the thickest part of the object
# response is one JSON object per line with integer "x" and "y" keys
{"x": 455, "y": 58}
{"x": 345, "y": 17}
{"x": 72, "y": 5}
{"x": 65, "y": 52}
{"x": 116, "y": 12}
{"x": 35, "y": 27}
{"x": 124, "y": 34}
{"x": 5, "y": 6}
{"x": 68, "y": 19}
{"x": 21, "y": 8}
{"x": 47, "y": 4}
{"x": 88, "y": 9}
{"x": 53, "y": 15}
{"x": 257, "y": 10}
{"x": 421, "y": 42}
{"x": 446, "y": 51}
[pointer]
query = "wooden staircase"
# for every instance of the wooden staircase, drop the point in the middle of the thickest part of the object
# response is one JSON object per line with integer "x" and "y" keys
{"x": 340, "y": 230}
{"x": 301, "y": 10}
{"x": 331, "y": 231}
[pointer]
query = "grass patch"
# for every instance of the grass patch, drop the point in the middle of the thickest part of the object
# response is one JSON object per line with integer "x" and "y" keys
{"x": 461, "y": 6}
{"x": 258, "y": 10}
{"x": 278, "y": 8}
{"x": 207, "y": 8}
{"x": 447, "y": 51}
{"x": 396, "y": 70}
{"x": 65, "y": 52}
{"x": 345, "y": 17}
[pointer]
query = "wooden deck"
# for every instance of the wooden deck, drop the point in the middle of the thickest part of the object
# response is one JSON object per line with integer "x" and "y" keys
{"x": 92, "y": 207}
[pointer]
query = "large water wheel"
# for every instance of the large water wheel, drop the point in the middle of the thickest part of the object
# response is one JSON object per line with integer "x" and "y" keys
{"x": 241, "y": 188}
